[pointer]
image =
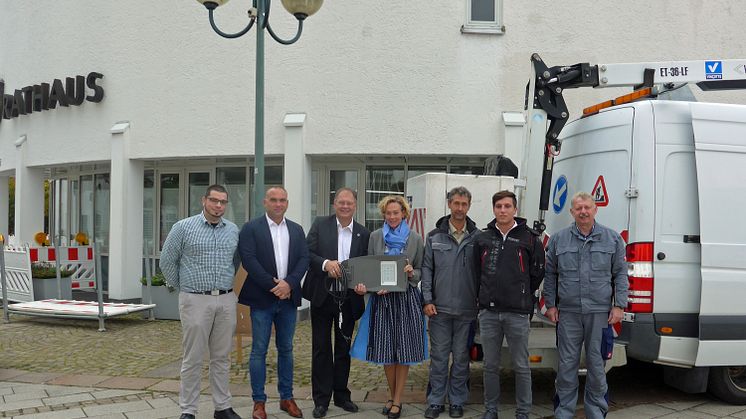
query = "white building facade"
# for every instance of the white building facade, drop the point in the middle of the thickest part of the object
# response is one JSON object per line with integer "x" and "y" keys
{"x": 373, "y": 93}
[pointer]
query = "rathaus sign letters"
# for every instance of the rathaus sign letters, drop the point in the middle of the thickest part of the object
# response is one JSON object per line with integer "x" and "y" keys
{"x": 45, "y": 96}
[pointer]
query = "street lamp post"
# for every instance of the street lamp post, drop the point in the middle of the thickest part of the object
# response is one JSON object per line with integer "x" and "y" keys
{"x": 259, "y": 14}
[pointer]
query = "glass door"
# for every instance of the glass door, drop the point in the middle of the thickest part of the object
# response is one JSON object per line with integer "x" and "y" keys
{"x": 168, "y": 204}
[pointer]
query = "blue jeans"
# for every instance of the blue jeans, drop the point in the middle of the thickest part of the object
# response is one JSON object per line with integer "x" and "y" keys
{"x": 283, "y": 314}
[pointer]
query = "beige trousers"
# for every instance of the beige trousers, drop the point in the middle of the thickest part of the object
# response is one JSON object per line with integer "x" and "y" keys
{"x": 208, "y": 324}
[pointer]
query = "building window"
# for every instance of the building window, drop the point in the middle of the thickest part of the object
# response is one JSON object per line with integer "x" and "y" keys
{"x": 484, "y": 16}
{"x": 272, "y": 177}
{"x": 380, "y": 182}
{"x": 198, "y": 183}
{"x": 340, "y": 179}
{"x": 86, "y": 207}
{"x": 234, "y": 180}
{"x": 169, "y": 204}
{"x": 148, "y": 211}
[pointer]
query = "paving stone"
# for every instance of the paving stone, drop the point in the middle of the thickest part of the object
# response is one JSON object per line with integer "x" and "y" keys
{"x": 79, "y": 380}
{"x": 70, "y": 398}
{"x": 684, "y": 405}
{"x": 163, "y": 412}
{"x": 107, "y": 394}
{"x": 36, "y": 377}
{"x": 128, "y": 383}
{"x": 685, "y": 415}
{"x": 741, "y": 415}
{"x": 718, "y": 408}
{"x": 110, "y": 416}
{"x": 162, "y": 402}
{"x": 239, "y": 389}
{"x": 166, "y": 385}
{"x": 171, "y": 370}
{"x": 21, "y": 404}
{"x": 9, "y": 373}
{"x": 127, "y": 407}
{"x": 58, "y": 414}
{"x": 26, "y": 395}
{"x": 54, "y": 391}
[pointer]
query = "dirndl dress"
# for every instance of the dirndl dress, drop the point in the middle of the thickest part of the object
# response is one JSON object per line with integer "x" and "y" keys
{"x": 392, "y": 329}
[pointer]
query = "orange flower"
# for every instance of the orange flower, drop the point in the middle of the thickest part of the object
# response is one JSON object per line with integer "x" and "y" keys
{"x": 41, "y": 238}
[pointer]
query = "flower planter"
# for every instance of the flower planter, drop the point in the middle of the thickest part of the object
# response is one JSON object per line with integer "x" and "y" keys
{"x": 166, "y": 302}
{"x": 46, "y": 288}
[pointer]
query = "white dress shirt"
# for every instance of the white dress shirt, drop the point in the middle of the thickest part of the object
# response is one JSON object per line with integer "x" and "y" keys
{"x": 281, "y": 245}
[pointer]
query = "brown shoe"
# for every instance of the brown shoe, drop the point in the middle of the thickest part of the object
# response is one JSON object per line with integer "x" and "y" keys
{"x": 259, "y": 412}
{"x": 290, "y": 407}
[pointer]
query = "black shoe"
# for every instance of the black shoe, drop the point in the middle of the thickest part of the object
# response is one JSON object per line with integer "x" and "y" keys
{"x": 225, "y": 414}
{"x": 397, "y": 414}
{"x": 434, "y": 411}
{"x": 347, "y": 406}
{"x": 455, "y": 411}
{"x": 186, "y": 416}
{"x": 319, "y": 411}
{"x": 489, "y": 414}
{"x": 386, "y": 408}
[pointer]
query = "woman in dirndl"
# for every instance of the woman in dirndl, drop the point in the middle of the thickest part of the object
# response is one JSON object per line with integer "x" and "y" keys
{"x": 392, "y": 330}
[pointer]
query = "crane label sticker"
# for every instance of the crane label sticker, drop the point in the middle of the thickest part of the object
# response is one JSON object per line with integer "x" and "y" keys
{"x": 600, "y": 196}
{"x": 560, "y": 194}
{"x": 713, "y": 70}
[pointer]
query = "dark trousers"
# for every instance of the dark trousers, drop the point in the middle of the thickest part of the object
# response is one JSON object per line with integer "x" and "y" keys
{"x": 330, "y": 370}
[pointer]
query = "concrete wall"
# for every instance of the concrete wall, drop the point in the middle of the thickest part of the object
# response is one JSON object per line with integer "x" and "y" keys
{"x": 372, "y": 77}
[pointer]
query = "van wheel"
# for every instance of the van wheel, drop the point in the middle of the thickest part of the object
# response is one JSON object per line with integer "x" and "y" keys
{"x": 728, "y": 384}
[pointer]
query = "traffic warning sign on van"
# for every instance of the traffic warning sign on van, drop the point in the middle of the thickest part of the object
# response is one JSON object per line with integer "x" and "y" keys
{"x": 600, "y": 196}
{"x": 560, "y": 194}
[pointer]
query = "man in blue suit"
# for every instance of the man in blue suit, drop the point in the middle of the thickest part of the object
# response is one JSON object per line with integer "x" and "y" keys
{"x": 274, "y": 253}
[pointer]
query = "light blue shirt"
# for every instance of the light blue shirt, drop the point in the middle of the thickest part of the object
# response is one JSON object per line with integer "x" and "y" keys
{"x": 198, "y": 256}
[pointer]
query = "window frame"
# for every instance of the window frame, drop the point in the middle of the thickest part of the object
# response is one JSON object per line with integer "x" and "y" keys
{"x": 494, "y": 27}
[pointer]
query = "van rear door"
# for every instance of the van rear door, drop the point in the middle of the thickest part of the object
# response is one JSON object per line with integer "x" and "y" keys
{"x": 720, "y": 154}
{"x": 595, "y": 158}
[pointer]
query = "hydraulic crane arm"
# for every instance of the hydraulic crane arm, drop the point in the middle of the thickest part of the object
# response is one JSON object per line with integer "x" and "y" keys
{"x": 547, "y": 112}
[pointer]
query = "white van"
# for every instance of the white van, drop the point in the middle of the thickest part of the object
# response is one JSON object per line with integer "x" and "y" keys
{"x": 671, "y": 178}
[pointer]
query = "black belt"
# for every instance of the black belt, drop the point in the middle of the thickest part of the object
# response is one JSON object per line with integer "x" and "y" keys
{"x": 211, "y": 292}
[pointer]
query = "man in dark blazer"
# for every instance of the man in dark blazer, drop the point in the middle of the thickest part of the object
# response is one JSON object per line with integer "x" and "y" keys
{"x": 274, "y": 253}
{"x": 332, "y": 240}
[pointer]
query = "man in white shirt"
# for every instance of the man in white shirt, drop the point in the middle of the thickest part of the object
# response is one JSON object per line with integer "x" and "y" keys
{"x": 274, "y": 253}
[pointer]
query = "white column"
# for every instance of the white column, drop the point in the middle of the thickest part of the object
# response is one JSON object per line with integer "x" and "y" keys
{"x": 29, "y": 203}
{"x": 297, "y": 171}
{"x": 125, "y": 217}
{"x": 297, "y": 180}
{"x": 4, "y": 205}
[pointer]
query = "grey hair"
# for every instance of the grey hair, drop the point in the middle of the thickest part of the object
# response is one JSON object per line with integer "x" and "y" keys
{"x": 458, "y": 190}
{"x": 584, "y": 196}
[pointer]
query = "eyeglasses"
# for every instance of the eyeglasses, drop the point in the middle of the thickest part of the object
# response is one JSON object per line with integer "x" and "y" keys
{"x": 216, "y": 201}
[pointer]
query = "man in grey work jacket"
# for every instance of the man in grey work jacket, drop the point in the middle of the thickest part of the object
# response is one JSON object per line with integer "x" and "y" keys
{"x": 198, "y": 258}
{"x": 449, "y": 292}
{"x": 585, "y": 291}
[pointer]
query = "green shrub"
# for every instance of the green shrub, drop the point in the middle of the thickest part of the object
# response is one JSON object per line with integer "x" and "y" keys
{"x": 158, "y": 280}
{"x": 47, "y": 270}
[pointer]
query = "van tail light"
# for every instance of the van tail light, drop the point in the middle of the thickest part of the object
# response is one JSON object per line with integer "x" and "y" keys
{"x": 640, "y": 271}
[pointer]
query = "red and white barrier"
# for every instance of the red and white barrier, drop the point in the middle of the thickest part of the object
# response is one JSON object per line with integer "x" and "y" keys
{"x": 79, "y": 259}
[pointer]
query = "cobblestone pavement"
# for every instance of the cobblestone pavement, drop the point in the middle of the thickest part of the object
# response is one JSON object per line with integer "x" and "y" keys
{"x": 63, "y": 368}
